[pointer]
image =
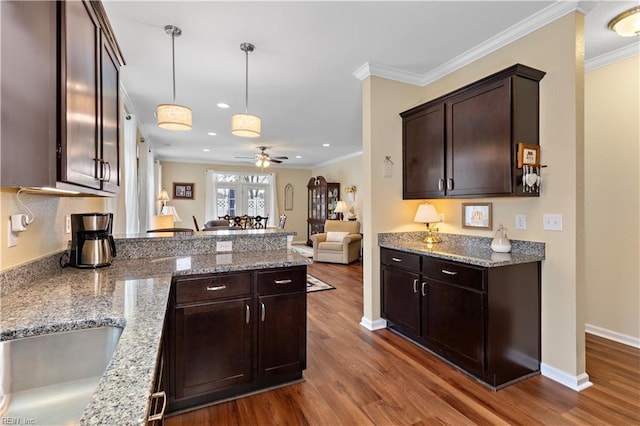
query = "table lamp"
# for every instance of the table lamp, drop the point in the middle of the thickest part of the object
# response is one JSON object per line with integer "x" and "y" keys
{"x": 428, "y": 215}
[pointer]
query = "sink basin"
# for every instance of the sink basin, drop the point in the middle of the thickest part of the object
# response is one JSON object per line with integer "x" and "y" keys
{"x": 49, "y": 379}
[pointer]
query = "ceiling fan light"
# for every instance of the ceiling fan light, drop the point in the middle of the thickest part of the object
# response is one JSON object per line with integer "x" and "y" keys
{"x": 174, "y": 117}
{"x": 627, "y": 24}
{"x": 246, "y": 125}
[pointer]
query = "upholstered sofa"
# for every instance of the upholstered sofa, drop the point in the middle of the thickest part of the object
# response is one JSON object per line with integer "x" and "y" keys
{"x": 339, "y": 243}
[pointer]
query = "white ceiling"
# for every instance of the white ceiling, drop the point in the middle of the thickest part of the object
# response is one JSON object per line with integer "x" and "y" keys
{"x": 301, "y": 74}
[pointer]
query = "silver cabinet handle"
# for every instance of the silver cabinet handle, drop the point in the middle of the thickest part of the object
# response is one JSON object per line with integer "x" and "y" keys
{"x": 282, "y": 282}
{"x": 108, "y": 179}
{"x": 444, "y": 271}
{"x": 450, "y": 184}
{"x": 247, "y": 314}
{"x": 396, "y": 259}
{"x": 440, "y": 184}
{"x": 263, "y": 312}
{"x": 160, "y": 415}
{"x": 424, "y": 289}
{"x": 216, "y": 288}
{"x": 415, "y": 285}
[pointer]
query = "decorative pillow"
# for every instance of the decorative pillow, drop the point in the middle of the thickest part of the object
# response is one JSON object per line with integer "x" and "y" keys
{"x": 336, "y": 237}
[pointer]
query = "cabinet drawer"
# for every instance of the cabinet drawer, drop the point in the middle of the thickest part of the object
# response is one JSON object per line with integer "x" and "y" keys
{"x": 454, "y": 273}
{"x": 400, "y": 259}
{"x": 279, "y": 281}
{"x": 212, "y": 287}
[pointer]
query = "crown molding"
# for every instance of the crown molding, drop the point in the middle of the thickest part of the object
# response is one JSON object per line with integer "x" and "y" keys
{"x": 521, "y": 29}
{"x": 612, "y": 57}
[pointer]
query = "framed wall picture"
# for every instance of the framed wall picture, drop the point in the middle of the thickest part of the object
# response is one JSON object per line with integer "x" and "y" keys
{"x": 477, "y": 216}
{"x": 183, "y": 191}
{"x": 288, "y": 197}
{"x": 528, "y": 155}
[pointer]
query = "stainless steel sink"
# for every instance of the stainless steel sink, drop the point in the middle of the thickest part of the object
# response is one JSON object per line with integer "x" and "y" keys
{"x": 49, "y": 379}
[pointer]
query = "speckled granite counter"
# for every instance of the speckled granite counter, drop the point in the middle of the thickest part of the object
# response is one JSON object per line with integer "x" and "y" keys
{"x": 131, "y": 293}
{"x": 463, "y": 248}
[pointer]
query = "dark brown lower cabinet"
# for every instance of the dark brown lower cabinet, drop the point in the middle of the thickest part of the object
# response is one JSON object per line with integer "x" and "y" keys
{"x": 226, "y": 340}
{"x": 485, "y": 321}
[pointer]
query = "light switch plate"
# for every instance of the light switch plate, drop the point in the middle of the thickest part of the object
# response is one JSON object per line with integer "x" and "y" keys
{"x": 521, "y": 221}
{"x": 67, "y": 224}
{"x": 552, "y": 222}
{"x": 224, "y": 245}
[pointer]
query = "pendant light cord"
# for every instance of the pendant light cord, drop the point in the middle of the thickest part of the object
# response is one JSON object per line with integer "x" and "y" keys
{"x": 246, "y": 82}
{"x": 173, "y": 56}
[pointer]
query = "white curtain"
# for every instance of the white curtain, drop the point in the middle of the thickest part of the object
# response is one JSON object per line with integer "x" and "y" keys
{"x": 211, "y": 194}
{"x": 273, "y": 212}
{"x": 132, "y": 221}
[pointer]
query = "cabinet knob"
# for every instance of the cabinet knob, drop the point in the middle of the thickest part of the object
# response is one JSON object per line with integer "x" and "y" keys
{"x": 450, "y": 184}
{"x": 444, "y": 271}
{"x": 247, "y": 314}
{"x": 424, "y": 289}
{"x": 283, "y": 282}
{"x": 263, "y": 312}
{"x": 396, "y": 259}
{"x": 440, "y": 184}
{"x": 415, "y": 285}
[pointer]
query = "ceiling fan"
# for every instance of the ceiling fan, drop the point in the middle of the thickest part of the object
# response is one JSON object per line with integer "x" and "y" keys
{"x": 263, "y": 159}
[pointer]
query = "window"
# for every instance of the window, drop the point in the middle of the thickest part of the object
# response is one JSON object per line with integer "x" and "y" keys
{"x": 237, "y": 194}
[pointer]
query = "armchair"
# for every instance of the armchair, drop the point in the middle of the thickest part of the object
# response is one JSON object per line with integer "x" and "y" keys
{"x": 339, "y": 243}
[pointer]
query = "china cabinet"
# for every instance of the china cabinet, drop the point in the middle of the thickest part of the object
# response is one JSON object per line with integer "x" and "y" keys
{"x": 323, "y": 198}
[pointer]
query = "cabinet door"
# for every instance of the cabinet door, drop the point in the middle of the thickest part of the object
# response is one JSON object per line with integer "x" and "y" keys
{"x": 454, "y": 322}
{"x": 213, "y": 348}
{"x": 423, "y": 153}
{"x": 110, "y": 119}
{"x": 282, "y": 334}
{"x": 80, "y": 47}
{"x": 478, "y": 154}
{"x": 401, "y": 298}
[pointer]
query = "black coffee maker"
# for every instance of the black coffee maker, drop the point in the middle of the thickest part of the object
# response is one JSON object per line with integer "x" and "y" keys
{"x": 92, "y": 244}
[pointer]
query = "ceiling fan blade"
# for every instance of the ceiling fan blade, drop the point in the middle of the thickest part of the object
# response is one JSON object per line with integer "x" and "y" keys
{"x": 273, "y": 160}
{"x": 281, "y": 157}
{"x": 248, "y": 158}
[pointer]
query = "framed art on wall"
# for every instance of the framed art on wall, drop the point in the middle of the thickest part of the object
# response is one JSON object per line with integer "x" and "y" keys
{"x": 477, "y": 216}
{"x": 184, "y": 191}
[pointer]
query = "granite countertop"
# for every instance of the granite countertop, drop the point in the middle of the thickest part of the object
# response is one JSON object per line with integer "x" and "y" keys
{"x": 471, "y": 250}
{"x": 131, "y": 293}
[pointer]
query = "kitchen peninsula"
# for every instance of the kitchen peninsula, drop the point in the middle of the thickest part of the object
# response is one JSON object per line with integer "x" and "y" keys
{"x": 134, "y": 293}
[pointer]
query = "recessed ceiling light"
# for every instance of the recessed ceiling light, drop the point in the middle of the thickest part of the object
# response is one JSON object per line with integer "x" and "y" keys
{"x": 298, "y": 156}
{"x": 212, "y": 133}
{"x": 326, "y": 144}
{"x": 206, "y": 150}
{"x": 223, "y": 105}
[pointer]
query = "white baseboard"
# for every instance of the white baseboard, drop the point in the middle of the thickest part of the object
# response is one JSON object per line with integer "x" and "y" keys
{"x": 613, "y": 335}
{"x": 577, "y": 383}
{"x": 378, "y": 324}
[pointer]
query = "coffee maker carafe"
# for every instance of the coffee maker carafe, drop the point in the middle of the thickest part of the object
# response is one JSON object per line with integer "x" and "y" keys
{"x": 92, "y": 244}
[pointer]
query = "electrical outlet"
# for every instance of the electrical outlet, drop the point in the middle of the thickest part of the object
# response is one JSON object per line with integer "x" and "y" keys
{"x": 442, "y": 217}
{"x": 552, "y": 222}
{"x": 223, "y": 245}
{"x": 521, "y": 221}
{"x": 12, "y": 238}
{"x": 67, "y": 224}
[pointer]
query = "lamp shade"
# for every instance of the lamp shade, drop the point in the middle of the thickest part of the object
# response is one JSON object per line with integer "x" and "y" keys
{"x": 174, "y": 117}
{"x": 426, "y": 213}
{"x": 164, "y": 196}
{"x": 342, "y": 207}
{"x": 171, "y": 211}
{"x": 627, "y": 24}
{"x": 246, "y": 125}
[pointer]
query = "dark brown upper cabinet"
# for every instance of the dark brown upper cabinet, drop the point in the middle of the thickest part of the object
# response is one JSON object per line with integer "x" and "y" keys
{"x": 464, "y": 144}
{"x": 60, "y": 74}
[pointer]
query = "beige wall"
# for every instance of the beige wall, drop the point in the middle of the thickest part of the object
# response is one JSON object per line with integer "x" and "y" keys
{"x": 189, "y": 172}
{"x": 347, "y": 171}
{"x": 556, "y": 49}
{"x": 45, "y": 236}
{"x": 612, "y": 163}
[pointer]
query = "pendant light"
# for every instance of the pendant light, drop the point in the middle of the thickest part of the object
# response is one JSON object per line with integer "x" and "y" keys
{"x": 246, "y": 125}
{"x": 173, "y": 116}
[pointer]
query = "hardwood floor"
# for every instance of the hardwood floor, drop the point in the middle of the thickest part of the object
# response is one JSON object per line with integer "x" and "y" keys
{"x": 358, "y": 377}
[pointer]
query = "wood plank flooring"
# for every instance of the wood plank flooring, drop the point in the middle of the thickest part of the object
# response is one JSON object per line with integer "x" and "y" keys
{"x": 358, "y": 377}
